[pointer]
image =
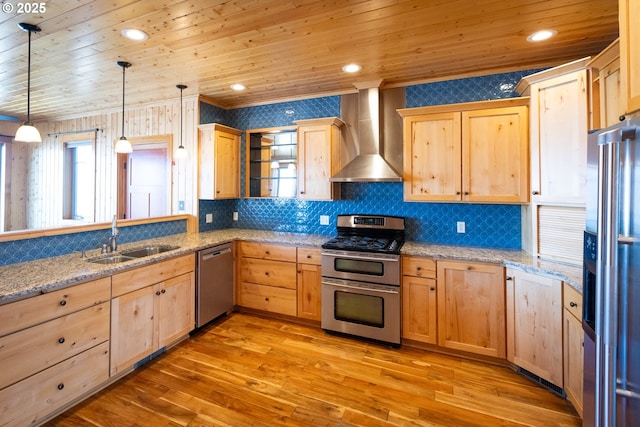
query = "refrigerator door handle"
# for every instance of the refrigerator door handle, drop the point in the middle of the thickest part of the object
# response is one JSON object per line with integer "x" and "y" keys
{"x": 627, "y": 240}
{"x": 628, "y": 393}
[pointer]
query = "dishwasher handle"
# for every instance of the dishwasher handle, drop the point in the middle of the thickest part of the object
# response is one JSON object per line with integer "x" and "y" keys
{"x": 215, "y": 254}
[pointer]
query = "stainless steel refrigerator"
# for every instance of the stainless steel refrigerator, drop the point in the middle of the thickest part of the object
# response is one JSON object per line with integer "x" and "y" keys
{"x": 611, "y": 287}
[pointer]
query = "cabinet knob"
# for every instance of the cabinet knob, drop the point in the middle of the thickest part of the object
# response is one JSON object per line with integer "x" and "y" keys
{"x": 63, "y": 303}
{"x": 217, "y": 191}
{"x": 302, "y": 192}
{"x": 622, "y": 118}
{"x": 509, "y": 278}
{"x": 157, "y": 292}
{"x": 266, "y": 299}
{"x": 266, "y": 273}
{"x": 535, "y": 193}
{"x": 308, "y": 256}
{"x": 466, "y": 193}
{"x": 432, "y": 289}
{"x": 457, "y": 193}
{"x": 163, "y": 291}
{"x": 60, "y": 386}
{"x": 61, "y": 340}
{"x": 418, "y": 268}
{"x": 573, "y": 304}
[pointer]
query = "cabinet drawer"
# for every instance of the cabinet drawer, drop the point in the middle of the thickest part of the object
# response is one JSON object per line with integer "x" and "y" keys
{"x": 265, "y": 272}
{"x": 268, "y": 251}
{"x": 267, "y": 298}
{"x": 140, "y": 277}
{"x": 30, "y": 400}
{"x": 31, "y": 311}
{"x": 418, "y": 267}
{"x": 573, "y": 301}
{"x": 37, "y": 348}
{"x": 309, "y": 256}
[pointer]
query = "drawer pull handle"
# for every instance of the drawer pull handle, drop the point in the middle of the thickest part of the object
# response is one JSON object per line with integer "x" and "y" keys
{"x": 60, "y": 386}
{"x": 573, "y": 304}
{"x": 63, "y": 303}
{"x": 61, "y": 340}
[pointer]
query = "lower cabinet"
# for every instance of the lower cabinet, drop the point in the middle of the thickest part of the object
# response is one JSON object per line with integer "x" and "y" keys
{"x": 471, "y": 307}
{"x": 309, "y": 283}
{"x": 267, "y": 277}
{"x": 573, "y": 347}
{"x": 153, "y": 306}
{"x": 534, "y": 324}
{"x": 419, "y": 302}
{"x": 54, "y": 348}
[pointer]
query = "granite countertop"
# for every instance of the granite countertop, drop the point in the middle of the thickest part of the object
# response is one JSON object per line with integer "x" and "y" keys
{"x": 23, "y": 280}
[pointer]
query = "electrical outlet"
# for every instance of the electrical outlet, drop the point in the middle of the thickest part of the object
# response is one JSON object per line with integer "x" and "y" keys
{"x": 324, "y": 219}
{"x": 461, "y": 227}
{"x": 209, "y": 218}
{"x": 235, "y": 216}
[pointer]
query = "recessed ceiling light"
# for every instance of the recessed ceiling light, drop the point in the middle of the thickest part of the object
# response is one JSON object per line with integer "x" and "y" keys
{"x": 134, "y": 34}
{"x": 238, "y": 86}
{"x": 351, "y": 68}
{"x": 539, "y": 36}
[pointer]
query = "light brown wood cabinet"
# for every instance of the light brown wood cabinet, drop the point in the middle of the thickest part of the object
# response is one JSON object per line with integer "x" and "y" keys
{"x": 267, "y": 277}
{"x": 419, "y": 301}
{"x": 553, "y": 222}
{"x": 534, "y": 324}
{"x": 628, "y": 12}
{"x": 309, "y": 284}
{"x": 57, "y": 348}
{"x": 471, "y": 307}
{"x": 606, "y": 90}
{"x": 153, "y": 306}
{"x": 218, "y": 162}
{"x": 573, "y": 347}
{"x": 472, "y": 152}
{"x": 319, "y": 158}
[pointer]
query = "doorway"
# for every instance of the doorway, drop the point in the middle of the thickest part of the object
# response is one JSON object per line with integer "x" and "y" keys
{"x": 144, "y": 179}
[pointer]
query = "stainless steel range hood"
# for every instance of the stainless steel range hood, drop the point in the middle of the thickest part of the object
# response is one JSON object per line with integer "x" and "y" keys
{"x": 372, "y": 135}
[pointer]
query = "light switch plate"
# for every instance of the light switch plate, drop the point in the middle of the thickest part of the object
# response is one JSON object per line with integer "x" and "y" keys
{"x": 324, "y": 219}
{"x": 235, "y": 216}
{"x": 461, "y": 227}
{"x": 209, "y": 218}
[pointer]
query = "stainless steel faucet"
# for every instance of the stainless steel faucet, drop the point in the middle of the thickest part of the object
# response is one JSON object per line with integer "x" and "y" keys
{"x": 113, "y": 243}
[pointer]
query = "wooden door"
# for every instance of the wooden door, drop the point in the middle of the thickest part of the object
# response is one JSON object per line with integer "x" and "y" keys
{"x": 629, "y": 10}
{"x": 432, "y": 157}
{"x": 175, "y": 308}
{"x": 419, "y": 321}
{"x": 226, "y": 159}
{"x": 132, "y": 328}
{"x": 559, "y": 124}
{"x": 495, "y": 161}
{"x": 471, "y": 307}
{"x": 309, "y": 296}
{"x": 534, "y": 324}
{"x": 610, "y": 94}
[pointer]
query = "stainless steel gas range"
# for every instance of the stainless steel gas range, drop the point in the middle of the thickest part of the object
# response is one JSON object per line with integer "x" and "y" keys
{"x": 361, "y": 277}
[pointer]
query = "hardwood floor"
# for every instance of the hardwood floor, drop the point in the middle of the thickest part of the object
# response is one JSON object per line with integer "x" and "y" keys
{"x": 252, "y": 371}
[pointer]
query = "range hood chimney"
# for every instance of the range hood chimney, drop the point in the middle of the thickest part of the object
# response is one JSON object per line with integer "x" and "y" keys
{"x": 372, "y": 135}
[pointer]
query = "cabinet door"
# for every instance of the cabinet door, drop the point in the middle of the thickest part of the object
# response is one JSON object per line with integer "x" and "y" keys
{"x": 495, "y": 147}
{"x": 309, "y": 296}
{"x": 175, "y": 308}
{"x": 471, "y": 307}
{"x": 610, "y": 94}
{"x": 226, "y": 165}
{"x": 559, "y": 124}
{"x": 132, "y": 328}
{"x": 629, "y": 10}
{"x": 573, "y": 359}
{"x": 432, "y": 157}
{"x": 419, "y": 309}
{"x": 534, "y": 324}
{"x": 315, "y": 162}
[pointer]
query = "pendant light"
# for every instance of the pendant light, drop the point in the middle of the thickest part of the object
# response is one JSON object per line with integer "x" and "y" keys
{"x": 123, "y": 145}
{"x": 28, "y": 132}
{"x": 181, "y": 152}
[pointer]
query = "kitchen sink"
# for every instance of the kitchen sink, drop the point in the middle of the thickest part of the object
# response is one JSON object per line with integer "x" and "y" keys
{"x": 148, "y": 250}
{"x": 109, "y": 259}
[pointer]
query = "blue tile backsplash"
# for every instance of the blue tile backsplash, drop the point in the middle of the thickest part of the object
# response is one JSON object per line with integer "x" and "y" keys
{"x": 494, "y": 226}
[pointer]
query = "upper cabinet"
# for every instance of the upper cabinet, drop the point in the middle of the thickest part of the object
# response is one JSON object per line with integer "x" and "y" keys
{"x": 318, "y": 158}
{"x": 606, "y": 96}
{"x": 219, "y": 162}
{"x": 472, "y": 152}
{"x": 629, "y": 10}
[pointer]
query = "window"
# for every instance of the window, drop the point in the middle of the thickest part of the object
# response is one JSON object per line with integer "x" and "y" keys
{"x": 78, "y": 181}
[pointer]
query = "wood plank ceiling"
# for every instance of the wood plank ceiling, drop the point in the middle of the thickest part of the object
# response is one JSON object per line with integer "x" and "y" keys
{"x": 280, "y": 49}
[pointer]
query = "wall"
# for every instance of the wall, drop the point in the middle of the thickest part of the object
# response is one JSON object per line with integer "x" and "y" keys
{"x": 496, "y": 226}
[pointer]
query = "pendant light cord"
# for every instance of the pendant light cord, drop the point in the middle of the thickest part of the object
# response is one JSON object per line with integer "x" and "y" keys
{"x": 29, "y": 81}
{"x": 181, "y": 116}
{"x": 124, "y": 67}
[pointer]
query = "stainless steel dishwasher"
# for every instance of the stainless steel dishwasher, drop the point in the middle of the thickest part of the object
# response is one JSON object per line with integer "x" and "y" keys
{"x": 214, "y": 290}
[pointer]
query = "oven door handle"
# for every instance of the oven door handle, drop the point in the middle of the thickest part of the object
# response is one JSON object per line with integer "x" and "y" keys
{"x": 361, "y": 257}
{"x": 359, "y": 288}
